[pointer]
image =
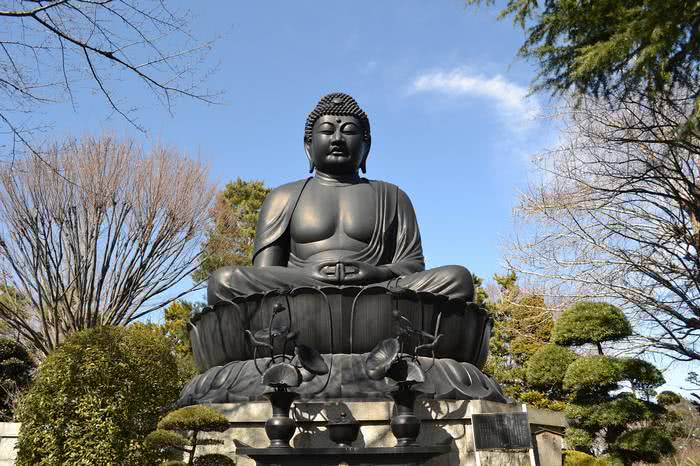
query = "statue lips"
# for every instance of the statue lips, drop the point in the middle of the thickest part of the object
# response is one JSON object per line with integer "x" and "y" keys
{"x": 338, "y": 151}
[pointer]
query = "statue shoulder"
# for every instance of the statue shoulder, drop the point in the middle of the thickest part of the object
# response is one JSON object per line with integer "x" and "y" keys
{"x": 280, "y": 197}
{"x": 393, "y": 189}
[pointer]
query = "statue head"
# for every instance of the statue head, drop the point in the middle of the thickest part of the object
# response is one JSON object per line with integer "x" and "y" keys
{"x": 337, "y": 136}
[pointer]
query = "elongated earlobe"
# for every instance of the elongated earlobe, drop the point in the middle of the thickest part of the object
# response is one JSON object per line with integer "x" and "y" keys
{"x": 363, "y": 166}
{"x": 307, "y": 149}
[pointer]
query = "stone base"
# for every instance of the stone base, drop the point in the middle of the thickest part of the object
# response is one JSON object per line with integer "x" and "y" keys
{"x": 443, "y": 422}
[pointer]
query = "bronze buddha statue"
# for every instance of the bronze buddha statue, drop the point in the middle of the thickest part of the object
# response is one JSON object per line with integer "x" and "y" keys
{"x": 343, "y": 255}
{"x": 336, "y": 227}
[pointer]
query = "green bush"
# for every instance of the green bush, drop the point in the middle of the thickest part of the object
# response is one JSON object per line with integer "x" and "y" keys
{"x": 179, "y": 430}
{"x": 16, "y": 367}
{"x": 589, "y": 322}
{"x": 619, "y": 411}
{"x": 578, "y": 438}
{"x": 641, "y": 374}
{"x": 668, "y": 398}
{"x": 213, "y": 460}
{"x": 577, "y": 458}
{"x": 546, "y": 368}
{"x": 165, "y": 439}
{"x": 594, "y": 373}
{"x": 96, "y": 397}
{"x": 197, "y": 417}
{"x": 644, "y": 444}
{"x": 537, "y": 399}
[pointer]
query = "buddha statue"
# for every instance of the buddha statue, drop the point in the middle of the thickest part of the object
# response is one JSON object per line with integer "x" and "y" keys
{"x": 342, "y": 254}
{"x": 336, "y": 227}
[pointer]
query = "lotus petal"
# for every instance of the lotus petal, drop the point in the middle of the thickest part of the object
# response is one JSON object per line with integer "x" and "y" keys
{"x": 381, "y": 357}
{"x": 305, "y": 375}
{"x": 282, "y": 375}
{"x": 311, "y": 359}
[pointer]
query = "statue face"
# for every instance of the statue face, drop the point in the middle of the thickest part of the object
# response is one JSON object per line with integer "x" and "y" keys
{"x": 337, "y": 145}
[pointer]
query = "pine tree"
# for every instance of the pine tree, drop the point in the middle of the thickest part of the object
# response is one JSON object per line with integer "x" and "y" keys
{"x": 230, "y": 238}
{"x": 522, "y": 325}
{"x": 609, "y": 397}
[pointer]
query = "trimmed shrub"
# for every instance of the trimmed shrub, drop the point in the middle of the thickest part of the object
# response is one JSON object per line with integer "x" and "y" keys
{"x": 214, "y": 459}
{"x": 578, "y": 458}
{"x": 96, "y": 397}
{"x": 546, "y": 368}
{"x": 165, "y": 439}
{"x": 621, "y": 410}
{"x": 594, "y": 373}
{"x": 645, "y": 444}
{"x": 194, "y": 418}
{"x": 589, "y": 322}
{"x": 178, "y": 432}
{"x": 541, "y": 400}
{"x": 641, "y": 374}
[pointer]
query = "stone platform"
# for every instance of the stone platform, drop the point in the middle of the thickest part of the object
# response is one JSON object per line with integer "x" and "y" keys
{"x": 446, "y": 422}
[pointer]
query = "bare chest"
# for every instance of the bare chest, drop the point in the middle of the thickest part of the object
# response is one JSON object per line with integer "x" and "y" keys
{"x": 341, "y": 217}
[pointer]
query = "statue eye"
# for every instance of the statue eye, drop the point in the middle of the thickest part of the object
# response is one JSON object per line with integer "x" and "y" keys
{"x": 326, "y": 128}
{"x": 351, "y": 128}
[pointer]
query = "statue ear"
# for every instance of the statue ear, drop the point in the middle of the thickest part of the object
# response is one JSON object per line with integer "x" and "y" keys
{"x": 363, "y": 164}
{"x": 307, "y": 149}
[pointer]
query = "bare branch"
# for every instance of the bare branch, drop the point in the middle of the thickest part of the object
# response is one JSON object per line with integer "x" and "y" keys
{"x": 104, "y": 249}
{"x": 615, "y": 215}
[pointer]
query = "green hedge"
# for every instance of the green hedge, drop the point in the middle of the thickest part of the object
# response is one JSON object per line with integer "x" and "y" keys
{"x": 96, "y": 397}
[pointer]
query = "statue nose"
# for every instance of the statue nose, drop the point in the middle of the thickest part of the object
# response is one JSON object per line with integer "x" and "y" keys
{"x": 337, "y": 137}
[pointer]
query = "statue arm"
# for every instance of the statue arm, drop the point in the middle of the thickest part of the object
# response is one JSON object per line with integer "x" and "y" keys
{"x": 408, "y": 254}
{"x": 272, "y": 240}
{"x": 274, "y": 254}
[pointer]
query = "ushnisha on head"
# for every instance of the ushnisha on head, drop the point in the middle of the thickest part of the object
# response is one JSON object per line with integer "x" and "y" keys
{"x": 337, "y": 135}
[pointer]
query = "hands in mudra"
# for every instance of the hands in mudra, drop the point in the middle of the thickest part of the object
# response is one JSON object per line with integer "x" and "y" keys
{"x": 350, "y": 273}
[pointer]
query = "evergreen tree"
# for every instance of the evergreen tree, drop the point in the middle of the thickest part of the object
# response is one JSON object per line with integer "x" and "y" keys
{"x": 522, "y": 325}
{"x": 175, "y": 328}
{"x": 626, "y": 420}
{"x": 610, "y": 46}
{"x": 178, "y": 432}
{"x": 229, "y": 240}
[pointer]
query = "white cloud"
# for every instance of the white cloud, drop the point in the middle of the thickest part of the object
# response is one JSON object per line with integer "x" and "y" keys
{"x": 510, "y": 98}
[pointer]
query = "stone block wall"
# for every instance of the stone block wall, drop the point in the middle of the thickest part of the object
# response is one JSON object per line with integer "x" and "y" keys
{"x": 442, "y": 422}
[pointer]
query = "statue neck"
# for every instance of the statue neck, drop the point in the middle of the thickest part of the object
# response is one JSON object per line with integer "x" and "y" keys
{"x": 337, "y": 180}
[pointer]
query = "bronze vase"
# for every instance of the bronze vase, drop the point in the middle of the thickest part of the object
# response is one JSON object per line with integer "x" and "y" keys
{"x": 405, "y": 425}
{"x": 280, "y": 427}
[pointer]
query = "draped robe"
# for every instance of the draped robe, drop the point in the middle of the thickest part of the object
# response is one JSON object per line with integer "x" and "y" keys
{"x": 395, "y": 244}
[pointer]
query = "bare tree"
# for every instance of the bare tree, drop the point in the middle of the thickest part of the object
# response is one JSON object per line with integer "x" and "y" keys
{"x": 47, "y": 48}
{"x": 615, "y": 215}
{"x": 99, "y": 235}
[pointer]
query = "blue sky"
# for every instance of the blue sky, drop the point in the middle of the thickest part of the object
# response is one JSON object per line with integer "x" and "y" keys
{"x": 440, "y": 82}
